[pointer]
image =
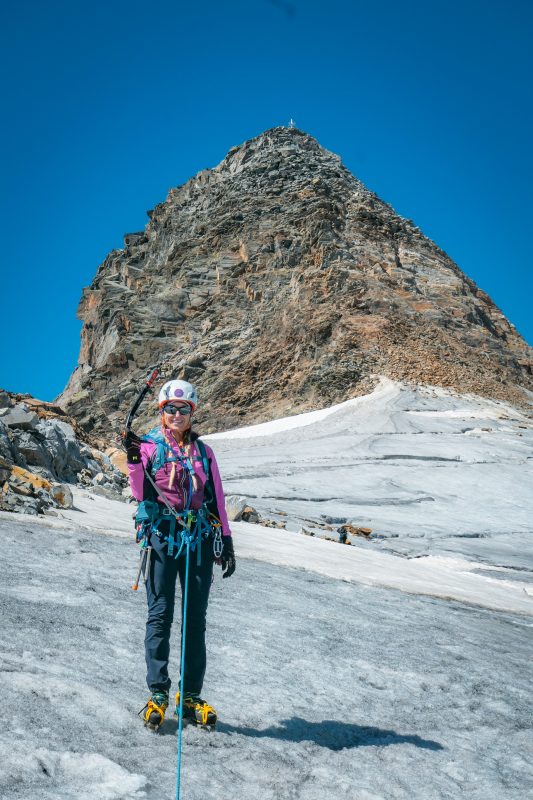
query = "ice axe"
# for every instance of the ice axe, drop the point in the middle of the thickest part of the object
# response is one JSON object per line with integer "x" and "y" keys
{"x": 144, "y": 566}
{"x": 144, "y": 560}
{"x": 147, "y": 387}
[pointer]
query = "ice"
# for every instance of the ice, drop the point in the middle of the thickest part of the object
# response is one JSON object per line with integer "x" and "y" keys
{"x": 404, "y": 461}
{"x": 395, "y": 668}
{"x": 448, "y": 578}
{"x": 84, "y": 776}
{"x": 301, "y": 420}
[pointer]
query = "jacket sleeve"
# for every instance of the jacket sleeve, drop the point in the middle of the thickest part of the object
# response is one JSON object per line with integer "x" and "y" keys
{"x": 219, "y": 491}
{"x": 136, "y": 471}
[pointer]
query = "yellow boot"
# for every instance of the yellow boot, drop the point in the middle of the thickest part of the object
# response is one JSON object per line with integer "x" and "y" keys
{"x": 153, "y": 712}
{"x": 197, "y": 710}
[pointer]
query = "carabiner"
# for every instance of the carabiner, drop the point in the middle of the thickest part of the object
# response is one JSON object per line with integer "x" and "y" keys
{"x": 218, "y": 546}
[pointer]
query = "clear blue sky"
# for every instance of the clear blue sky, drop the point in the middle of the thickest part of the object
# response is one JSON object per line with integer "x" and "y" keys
{"x": 106, "y": 105}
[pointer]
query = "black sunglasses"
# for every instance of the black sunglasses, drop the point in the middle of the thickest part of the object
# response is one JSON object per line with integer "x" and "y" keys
{"x": 183, "y": 411}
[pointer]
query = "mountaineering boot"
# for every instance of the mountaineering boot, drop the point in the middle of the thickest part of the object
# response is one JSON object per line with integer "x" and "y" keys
{"x": 196, "y": 710}
{"x": 153, "y": 712}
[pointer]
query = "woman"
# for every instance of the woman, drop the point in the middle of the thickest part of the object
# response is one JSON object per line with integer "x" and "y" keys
{"x": 176, "y": 479}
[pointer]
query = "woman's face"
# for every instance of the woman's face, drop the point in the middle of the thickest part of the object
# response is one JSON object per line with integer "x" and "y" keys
{"x": 177, "y": 423}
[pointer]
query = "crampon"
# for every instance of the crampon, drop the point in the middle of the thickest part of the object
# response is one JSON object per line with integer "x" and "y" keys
{"x": 153, "y": 713}
{"x": 197, "y": 711}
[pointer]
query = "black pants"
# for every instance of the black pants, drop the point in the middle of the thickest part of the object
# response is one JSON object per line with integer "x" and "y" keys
{"x": 160, "y": 593}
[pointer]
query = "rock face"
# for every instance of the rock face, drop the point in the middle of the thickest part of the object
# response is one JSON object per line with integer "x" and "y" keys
{"x": 41, "y": 451}
{"x": 277, "y": 282}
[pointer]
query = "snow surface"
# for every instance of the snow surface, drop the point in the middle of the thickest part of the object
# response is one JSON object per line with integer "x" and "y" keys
{"x": 394, "y": 668}
{"x": 402, "y": 462}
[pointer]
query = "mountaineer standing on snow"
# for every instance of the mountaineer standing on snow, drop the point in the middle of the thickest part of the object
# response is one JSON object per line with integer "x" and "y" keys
{"x": 175, "y": 478}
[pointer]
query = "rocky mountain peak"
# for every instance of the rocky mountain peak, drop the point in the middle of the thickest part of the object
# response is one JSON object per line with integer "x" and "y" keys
{"x": 270, "y": 147}
{"x": 278, "y": 282}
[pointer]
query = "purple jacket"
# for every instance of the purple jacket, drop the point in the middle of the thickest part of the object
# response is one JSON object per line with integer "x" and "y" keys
{"x": 176, "y": 494}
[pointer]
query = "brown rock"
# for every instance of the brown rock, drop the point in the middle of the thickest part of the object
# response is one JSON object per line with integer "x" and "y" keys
{"x": 62, "y": 495}
{"x": 297, "y": 284}
{"x": 25, "y": 489}
{"x": 118, "y": 459}
{"x": 25, "y": 477}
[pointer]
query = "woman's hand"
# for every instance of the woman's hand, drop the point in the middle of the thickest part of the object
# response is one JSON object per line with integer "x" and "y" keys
{"x": 228, "y": 557}
{"x": 132, "y": 446}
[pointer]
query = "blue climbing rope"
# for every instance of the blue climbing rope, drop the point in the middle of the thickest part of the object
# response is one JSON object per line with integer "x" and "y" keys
{"x": 182, "y": 666}
{"x": 187, "y": 538}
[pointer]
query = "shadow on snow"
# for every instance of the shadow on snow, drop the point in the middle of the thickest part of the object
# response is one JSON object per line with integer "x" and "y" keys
{"x": 328, "y": 733}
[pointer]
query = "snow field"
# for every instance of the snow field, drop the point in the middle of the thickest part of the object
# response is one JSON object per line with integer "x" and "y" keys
{"x": 324, "y": 688}
{"x": 432, "y": 473}
{"x": 395, "y": 668}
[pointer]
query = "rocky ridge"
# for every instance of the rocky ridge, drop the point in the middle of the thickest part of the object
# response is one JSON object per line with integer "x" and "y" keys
{"x": 277, "y": 282}
{"x": 42, "y": 451}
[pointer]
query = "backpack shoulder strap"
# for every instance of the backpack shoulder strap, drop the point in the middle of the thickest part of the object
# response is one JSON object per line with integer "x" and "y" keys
{"x": 203, "y": 453}
{"x": 159, "y": 458}
{"x": 210, "y": 496}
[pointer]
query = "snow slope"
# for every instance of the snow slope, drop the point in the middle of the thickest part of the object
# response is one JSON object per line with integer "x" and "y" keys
{"x": 398, "y": 668}
{"x": 432, "y": 473}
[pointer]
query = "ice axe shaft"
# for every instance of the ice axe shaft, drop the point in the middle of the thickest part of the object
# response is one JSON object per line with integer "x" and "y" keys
{"x": 141, "y": 562}
{"x": 144, "y": 560}
{"x": 147, "y": 564}
{"x": 142, "y": 394}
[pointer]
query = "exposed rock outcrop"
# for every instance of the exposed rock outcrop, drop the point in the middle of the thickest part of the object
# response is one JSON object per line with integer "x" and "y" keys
{"x": 41, "y": 451}
{"x": 277, "y": 282}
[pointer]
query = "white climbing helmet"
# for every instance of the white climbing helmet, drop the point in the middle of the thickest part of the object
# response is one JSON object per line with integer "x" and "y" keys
{"x": 178, "y": 390}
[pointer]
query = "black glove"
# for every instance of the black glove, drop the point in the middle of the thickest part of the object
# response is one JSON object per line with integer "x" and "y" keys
{"x": 228, "y": 557}
{"x": 132, "y": 445}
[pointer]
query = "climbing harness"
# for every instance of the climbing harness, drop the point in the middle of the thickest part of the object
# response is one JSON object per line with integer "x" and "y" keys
{"x": 198, "y": 523}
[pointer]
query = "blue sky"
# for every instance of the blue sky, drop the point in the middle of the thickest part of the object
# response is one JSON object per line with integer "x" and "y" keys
{"x": 107, "y": 105}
